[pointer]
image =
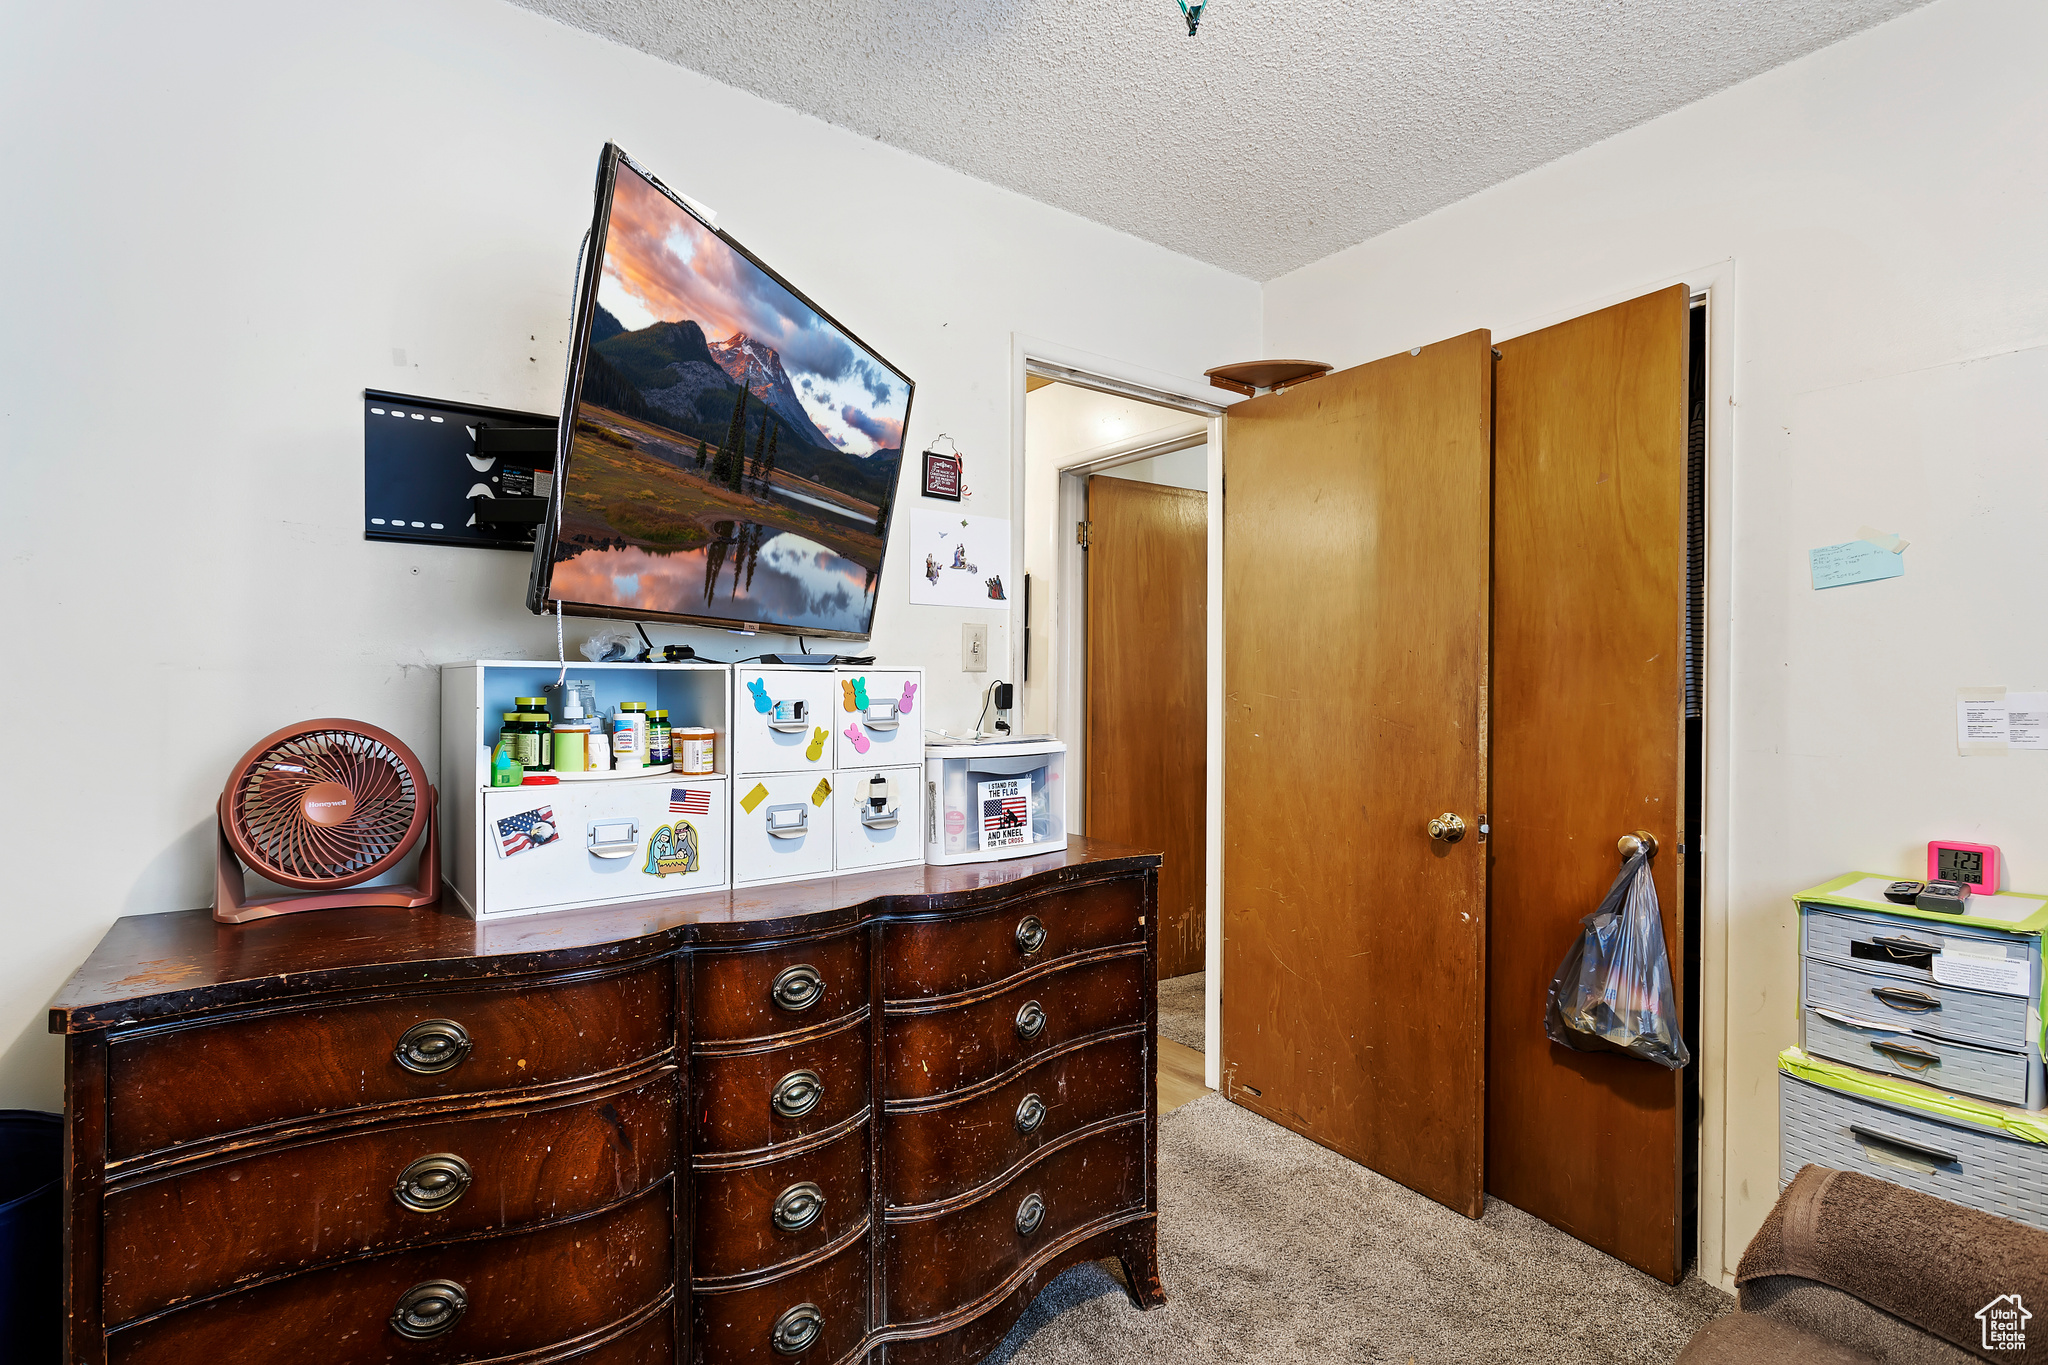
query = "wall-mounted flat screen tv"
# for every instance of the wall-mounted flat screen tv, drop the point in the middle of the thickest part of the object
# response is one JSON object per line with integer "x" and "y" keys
{"x": 728, "y": 453}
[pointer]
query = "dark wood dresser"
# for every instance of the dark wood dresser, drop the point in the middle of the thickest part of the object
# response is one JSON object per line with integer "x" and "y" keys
{"x": 866, "y": 1118}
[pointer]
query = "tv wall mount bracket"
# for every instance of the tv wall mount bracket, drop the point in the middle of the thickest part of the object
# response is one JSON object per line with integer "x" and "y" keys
{"x": 442, "y": 473}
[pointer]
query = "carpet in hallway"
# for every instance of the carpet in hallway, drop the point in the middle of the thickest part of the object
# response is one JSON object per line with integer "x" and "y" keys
{"x": 1276, "y": 1250}
{"x": 1180, "y": 1009}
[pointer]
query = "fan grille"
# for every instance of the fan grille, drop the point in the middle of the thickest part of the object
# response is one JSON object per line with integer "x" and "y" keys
{"x": 269, "y": 825}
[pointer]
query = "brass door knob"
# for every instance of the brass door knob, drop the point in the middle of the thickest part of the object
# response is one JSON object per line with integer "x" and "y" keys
{"x": 1628, "y": 845}
{"x": 1447, "y": 828}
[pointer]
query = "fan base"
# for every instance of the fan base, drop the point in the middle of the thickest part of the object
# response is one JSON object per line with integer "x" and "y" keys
{"x": 232, "y": 904}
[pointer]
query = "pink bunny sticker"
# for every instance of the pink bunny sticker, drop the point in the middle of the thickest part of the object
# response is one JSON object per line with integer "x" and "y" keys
{"x": 909, "y": 696}
{"x": 858, "y": 736}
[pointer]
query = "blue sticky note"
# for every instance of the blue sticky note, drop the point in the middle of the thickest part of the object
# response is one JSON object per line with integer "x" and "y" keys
{"x": 1854, "y": 561}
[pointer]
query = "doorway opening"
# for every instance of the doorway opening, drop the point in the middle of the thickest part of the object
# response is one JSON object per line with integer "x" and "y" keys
{"x": 1114, "y": 653}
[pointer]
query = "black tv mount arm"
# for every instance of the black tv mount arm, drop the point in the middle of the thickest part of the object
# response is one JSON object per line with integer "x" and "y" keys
{"x": 443, "y": 473}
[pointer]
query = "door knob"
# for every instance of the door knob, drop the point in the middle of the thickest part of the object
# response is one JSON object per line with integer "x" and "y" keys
{"x": 1628, "y": 845}
{"x": 1447, "y": 828}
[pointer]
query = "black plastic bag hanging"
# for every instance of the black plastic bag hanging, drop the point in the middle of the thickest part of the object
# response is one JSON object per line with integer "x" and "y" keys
{"x": 1613, "y": 990}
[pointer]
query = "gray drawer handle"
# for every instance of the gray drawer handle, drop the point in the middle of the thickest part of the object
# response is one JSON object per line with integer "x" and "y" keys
{"x": 797, "y": 988}
{"x": 1899, "y": 998}
{"x": 1030, "y": 1113}
{"x": 1905, "y": 947}
{"x": 1030, "y": 935}
{"x": 1934, "y": 1154}
{"x": 797, "y": 1207}
{"x": 797, "y": 1094}
{"x": 432, "y": 1046}
{"x": 1906, "y": 1055}
{"x": 428, "y": 1309}
{"x": 433, "y": 1183}
{"x": 1030, "y": 1214}
{"x": 797, "y": 1330}
{"x": 1030, "y": 1020}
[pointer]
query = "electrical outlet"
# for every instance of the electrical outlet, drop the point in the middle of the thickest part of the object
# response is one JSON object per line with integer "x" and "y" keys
{"x": 973, "y": 648}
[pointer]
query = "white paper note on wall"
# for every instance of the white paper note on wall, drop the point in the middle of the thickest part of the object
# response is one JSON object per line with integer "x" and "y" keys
{"x": 1982, "y": 729}
{"x": 2026, "y": 718}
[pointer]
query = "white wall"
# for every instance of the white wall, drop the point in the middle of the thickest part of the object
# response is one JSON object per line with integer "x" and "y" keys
{"x": 1177, "y": 469}
{"x": 221, "y": 221}
{"x": 1883, "y": 202}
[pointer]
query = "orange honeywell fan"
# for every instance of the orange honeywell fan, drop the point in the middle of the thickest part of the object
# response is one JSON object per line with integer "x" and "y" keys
{"x": 319, "y": 806}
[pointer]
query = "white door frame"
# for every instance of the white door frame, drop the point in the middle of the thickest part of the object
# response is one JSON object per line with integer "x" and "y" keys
{"x": 1032, "y": 355}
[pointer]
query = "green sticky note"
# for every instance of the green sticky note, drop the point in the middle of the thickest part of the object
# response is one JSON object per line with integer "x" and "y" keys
{"x": 753, "y": 798}
{"x": 1854, "y": 561}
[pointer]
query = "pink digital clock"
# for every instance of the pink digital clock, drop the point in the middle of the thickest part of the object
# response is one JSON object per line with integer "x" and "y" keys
{"x": 1977, "y": 866}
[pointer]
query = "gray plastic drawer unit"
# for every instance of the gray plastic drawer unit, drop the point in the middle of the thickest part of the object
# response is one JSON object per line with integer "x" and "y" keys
{"x": 1980, "y": 1017}
{"x": 2002, "y": 1077}
{"x": 1966, "y": 1165}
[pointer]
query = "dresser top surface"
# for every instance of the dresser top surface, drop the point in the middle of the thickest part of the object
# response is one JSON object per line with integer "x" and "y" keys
{"x": 184, "y": 962}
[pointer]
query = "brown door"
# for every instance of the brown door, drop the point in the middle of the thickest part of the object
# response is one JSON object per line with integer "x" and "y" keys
{"x": 1147, "y": 753}
{"x": 1588, "y": 745}
{"x": 1355, "y": 560}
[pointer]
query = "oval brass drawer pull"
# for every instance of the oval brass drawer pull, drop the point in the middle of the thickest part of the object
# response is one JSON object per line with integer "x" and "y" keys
{"x": 1030, "y": 1020}
{"x": 432, "y": 1046}
{"x": 1030, "y": 934}
{"x": 1030, "y": 1113}
{"x": 1030, "y": 1214}
{"x": 796, "y": 989}
{"x": 797, "y": 1330}
{"x": 797, "y": 1207}
{"x": 433, "y": 1183}
{"x": 429, "y": 1309}
{"x": 797, "y": 1094}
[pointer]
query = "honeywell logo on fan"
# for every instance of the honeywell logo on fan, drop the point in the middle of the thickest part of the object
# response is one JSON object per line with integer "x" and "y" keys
{"x": 311, "y": 804}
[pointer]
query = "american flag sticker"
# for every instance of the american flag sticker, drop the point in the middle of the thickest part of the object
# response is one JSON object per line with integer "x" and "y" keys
{"x": 528, "y": 829}
{"x": 1005, "y": 812}
{"x": 688, "y": 801}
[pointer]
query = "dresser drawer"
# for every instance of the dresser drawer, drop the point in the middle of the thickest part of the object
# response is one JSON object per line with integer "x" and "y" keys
{"x": 520, "y": 1293}
{"x": 1974, "y": 1016}
{"x": 762, "y": 1096}
{"x": 653, "y": 1342}
{"x": 762, "y": 992}
{"x": 206, "y": 1081}
{"x": 938, "y": 1153}
{"x": 941, "y": 957}
{"x": 818, "y": 1315}
{"x": 936, "y": 1051}
{"x": 750, "y": 1218}
{"x": 315, "y": 1203}
{"x": 1876, "y": 1045}
{"x": 1897, "y": 944}
{"x": 981, "y": 1244}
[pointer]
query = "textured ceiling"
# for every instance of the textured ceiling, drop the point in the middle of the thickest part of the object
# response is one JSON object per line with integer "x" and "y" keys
{"x": 1288, "y": 129}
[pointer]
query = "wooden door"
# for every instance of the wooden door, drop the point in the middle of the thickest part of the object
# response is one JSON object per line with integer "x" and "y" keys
{"x": 1355, "y": 565}
{"x": 1588, "y": 745}
{"x": 1147, "y": 751}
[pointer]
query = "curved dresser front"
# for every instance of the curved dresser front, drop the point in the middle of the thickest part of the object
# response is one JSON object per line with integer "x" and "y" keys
{"x": 866, "y": 1118}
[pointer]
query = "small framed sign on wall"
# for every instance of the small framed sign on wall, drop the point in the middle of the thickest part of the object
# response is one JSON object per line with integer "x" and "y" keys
{"x": 942, "y": 474}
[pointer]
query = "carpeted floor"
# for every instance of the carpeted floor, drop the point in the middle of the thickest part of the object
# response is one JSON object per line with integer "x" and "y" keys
{"x": 1276, "y": 1250}
{"x": 1180, "y": 1009}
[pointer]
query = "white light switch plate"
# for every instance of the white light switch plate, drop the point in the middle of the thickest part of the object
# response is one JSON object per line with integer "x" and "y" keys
{"x": 973, "y": 648}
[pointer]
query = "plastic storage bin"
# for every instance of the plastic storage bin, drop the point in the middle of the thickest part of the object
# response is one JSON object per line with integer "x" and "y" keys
{"x": 989, "y": 801}
{"x": 31, "y": 1236}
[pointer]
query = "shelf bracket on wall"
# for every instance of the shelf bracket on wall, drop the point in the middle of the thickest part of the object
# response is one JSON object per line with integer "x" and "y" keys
{"x": 442, "y": 473}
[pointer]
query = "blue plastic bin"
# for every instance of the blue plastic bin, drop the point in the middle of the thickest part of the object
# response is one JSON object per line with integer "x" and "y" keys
{"x": 31, "y": 1236}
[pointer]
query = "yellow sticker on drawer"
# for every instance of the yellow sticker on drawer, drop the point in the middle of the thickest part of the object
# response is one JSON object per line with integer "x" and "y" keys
{"x": 1974, "y": 969}
{"x": 753, "y": 798}
{"x": 820, "y": 792}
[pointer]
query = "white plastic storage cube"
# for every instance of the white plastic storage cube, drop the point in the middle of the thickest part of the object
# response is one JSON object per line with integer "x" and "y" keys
{"x": 569, "y": 845}
{"x": 880, "y": 721}
{"x": 474, "y": 697}
{"x": 877, "y": 818}
{"x": 988, "y": 801}
{"x": 783, "y": 720}
{"x": 781, "y": 827}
